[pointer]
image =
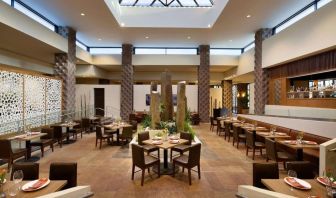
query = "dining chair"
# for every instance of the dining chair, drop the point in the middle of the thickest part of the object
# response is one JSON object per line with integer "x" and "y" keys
{"x": 44, "y": 141}
{"x": 213, "y": 123}
{"x": 127, "y": 134}
{"x": 251, "y": 143}
{"x": 303, "y": 169}
{"x": 147, "y": 148}
{"x": 264, "y": 171}
{"x": 77, "y": 129}
{"x": 228, "y": 130}
{"x": 30, "y": 170}
{"x": 273, "y": 154}
{"x": 100, "y": 136}
{"x": 86, "y": 125}
{"x": 190, "y": 161}
{"x": 238, "y": 135}
{"x": 220, "y": 128}
{"x": 143, "y": 161}
{"x": 181, "y": 148}
{"x": 134, "y": 124}
{"x": 59, "y": 135}
{"x": 9, "y": 154}
{"x": 64, "y": 171}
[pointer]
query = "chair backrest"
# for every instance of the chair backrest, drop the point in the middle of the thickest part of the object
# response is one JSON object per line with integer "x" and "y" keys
{"x": 142, "y": 137}
{"x": 235, "y": 131}
{"x": 186, "y": 136}
{"x": 57, "y": 131}
{"x": 303, "y": 169}
{"x": 227, "y": 127}
{"x": 194, "y": 155}
{"x": 271, "y": 151}
{"x": 85, "y": 122}
{"x": 211, "y": 120}
{"x": 99, "y": 133}
{"x": 134, "y": 124}
{"x": 6, "y": 149}
{"x": 64, "y": 171}
{"x": 138, "y": 156}
{"x": 49, "y": 131}
{"x": 264, "y": 171}
{"x": 250, "y": 138}
{"x": 127, "y": 132}
{"x": 30, "y": 170}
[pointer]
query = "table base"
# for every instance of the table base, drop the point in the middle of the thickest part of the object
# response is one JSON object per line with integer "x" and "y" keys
{"x": 166, "y": 171}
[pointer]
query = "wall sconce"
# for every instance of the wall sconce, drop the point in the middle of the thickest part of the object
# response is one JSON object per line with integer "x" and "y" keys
{"x": 238, "y": 95}
{"x": 243, "y": 94}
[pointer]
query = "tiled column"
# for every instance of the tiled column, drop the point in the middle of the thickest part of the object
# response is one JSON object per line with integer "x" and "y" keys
{"x": 204, "y": 83}
{"x": 261, "y": 77}
{"x": 227, "y": 95}
{"x": 65, "y": 68}
{"x": 126, "y": 100}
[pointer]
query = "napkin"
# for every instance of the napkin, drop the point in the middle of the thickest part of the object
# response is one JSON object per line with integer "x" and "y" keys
{"x": 294, "y": 183}
{"x": 39, "y": 183}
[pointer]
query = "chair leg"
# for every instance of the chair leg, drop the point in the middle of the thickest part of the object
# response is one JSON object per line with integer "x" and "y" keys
{"x": 148, "y": 170}
{"x": 100, "y": 144}
{"x": 133, "y": 167}
{"x": 189, "y": 175}
{"x": 199, "y": 171}
{"x": 253, "y": 154}
{"x": 96, "y": 142}
{"x": 52, "y": 147}
{"x": 173, "y": 169}
{"x": 261, "y": 151}
{"x": 159, "y": 174}
{"x": 42, "y": 151}
{"x": 182, "y": 169}
{"x": 171, "y": 155}
{"x": 237, "y": 143}
{"x": 247, "y": 151}
{"x": 142, "y": 177}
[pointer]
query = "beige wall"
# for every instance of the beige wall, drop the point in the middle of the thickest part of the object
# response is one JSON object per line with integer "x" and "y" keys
{"x": 314, "y": 33}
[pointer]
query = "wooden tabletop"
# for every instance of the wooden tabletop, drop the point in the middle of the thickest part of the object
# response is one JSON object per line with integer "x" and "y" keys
{"x": 25, "y": 137}
{"x": 54, "y": 186}
{"x": 116, "y": 126}
{"x": 279, "y": 185}
{"x": 72, "y": 124}
{"x": 277, "y": 135}
{"x": 298, "y": 146}
{"x": 165, "y": 144}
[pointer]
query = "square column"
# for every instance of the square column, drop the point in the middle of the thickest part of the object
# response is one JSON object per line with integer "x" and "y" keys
{"x": 227, "y": 95}
{"x": 204, "y": 83}
{"x": 126, "y": 100}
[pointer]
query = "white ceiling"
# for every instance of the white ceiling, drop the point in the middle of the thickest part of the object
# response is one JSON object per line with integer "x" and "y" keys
{"x": 231, "y": 30}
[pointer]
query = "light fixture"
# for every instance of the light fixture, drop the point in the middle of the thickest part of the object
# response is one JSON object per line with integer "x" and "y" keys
{"x": 248, "y": 16}
{"x": 99, "y": 39}
{"x": 122, "y": 24}
{"x": 209, "y": 25}
{"x": 146, "y": 37}
{"x": 82, "y": 14}
{"x": 189, "y": 37}
{"x": 230, "y": 40}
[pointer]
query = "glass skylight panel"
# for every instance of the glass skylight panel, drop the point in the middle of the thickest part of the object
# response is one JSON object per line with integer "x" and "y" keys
{"x": 144, "y": 3}
{"x": 188, "y": 3}
{"x": 250, "y": 46}
{"x": 182, "y": 51}
{"x": 295, "y": 19}
{"x": 167, "y": 3}
{"x": 79, "y": 44}
{"x": 322, "y": 3}
{"x": 127, "y": 2}
{"x": 34, "y": 16}
{"x": 204, "y": 3}
{"x": 150, "y": 51}
{"x": 9, "y": 2}
{"x": 102, "y": 50}
{"x": 231, "y": 52}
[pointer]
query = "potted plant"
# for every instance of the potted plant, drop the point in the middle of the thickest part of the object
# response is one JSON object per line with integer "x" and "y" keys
{"x": 2, "y": 182}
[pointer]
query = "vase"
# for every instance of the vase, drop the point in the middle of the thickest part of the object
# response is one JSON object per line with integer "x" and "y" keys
{"x": 2, "y": 193}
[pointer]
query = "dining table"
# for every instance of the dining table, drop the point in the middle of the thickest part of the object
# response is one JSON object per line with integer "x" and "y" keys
{"x": 115, "y": 129}
{"x": 279, "y": 185}
{"x": 273, "y": 135}
{"x": 165, "y": 167}
{"x": 28, "y": 137}
{"x": 53, "y": 186}
{"x": 296, "y": 145}
{"x": 68, "y": 126}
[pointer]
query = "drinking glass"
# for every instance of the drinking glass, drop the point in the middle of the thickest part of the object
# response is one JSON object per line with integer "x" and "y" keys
{"x": 13, "y": 190}
{"x": 292, "y": 173}
{"x": 299, "y": 137}
{"x": 18, "y": 177}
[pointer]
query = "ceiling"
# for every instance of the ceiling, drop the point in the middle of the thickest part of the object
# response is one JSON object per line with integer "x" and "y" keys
{"x": 231, "y": 30}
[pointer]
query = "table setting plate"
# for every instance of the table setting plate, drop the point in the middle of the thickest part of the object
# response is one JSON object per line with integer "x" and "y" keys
{"x": 324, "y": 181}
{"x": 157, "y": 138}
{"x": 28, "y": 186}
{"x": 297, "y": 183}
{"x": 292, "y": 142}
{"x": 157, "y": 142}
{"x": 174, "y": 141}
{"x": 309, "y": 142}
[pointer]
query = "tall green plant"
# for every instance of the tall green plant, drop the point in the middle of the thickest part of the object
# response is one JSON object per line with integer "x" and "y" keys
{"x": 147, "y": 121}
{"x": 188, "y": 128}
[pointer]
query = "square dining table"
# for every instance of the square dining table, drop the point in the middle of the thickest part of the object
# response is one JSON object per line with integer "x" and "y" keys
{"x": 28, "y": 138}
{"x": 116, "y": 128}
{"x": 299, "y": 147}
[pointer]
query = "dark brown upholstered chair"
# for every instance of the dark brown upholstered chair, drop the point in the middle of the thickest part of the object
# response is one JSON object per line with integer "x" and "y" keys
{"x": 8, "y": 154}
{"x": 220, "y": 128}
{"x": 147, "y": 148}
{"x": 251, "y": 143}
{"x": 86, "y": 125}
{"x": 30, "y": 170}
{"x": 264, "y": 171}
{"x": 181, "y": 148}
{"x": 143, "y": 162}
{"x": 238, "y": 135}
{"x": 59, "y": 135}
{"x": 64, "y": 171}
{"x": 213, "y": 123}
{"x": 44, "y": 141}
{"x": 127, "y": 134}
{"x": 76, "y": 130}
{"x": 100, "y": 136}
{"x": 273, "y": 154}
{"x": 303, "y": 169}
{"x": 134, "y": 124}
{"x": 228, "y": 130}
{"x": 190, "y": 161}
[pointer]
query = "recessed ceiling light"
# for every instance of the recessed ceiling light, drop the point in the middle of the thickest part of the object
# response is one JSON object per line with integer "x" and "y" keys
{"x": 146, "y": 37}
{"x": 82, "y": 14}
{"x": 189, "y": 37}
{"x": 99, "y": 39}
{"x": 248, "y": 16}
{"x": 122, "y": 24}
{"x": 230, "y": 40}
{"x": 209, "y": 25}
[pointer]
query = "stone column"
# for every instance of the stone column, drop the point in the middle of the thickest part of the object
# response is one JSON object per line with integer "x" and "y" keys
{"x": 167, "y": 96}
{"x": 65, "y": 68}
{"x": 261, "y": 77}
{"x": 126, "y": 95}
{"x": 155, "y": 108}
{"x": 227, "y": 95}
{"x": 181, "y": 106}
{"x": 204, "y": 83}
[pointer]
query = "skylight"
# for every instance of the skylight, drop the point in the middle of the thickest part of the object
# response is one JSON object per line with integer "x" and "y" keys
{"x": 167, "y": 3}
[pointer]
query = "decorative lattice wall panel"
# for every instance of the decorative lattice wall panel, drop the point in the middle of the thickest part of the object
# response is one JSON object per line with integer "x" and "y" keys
{"x": 53, "y": 101}
{"x": 34, "y": 100}
{"x": 11, "y": 97}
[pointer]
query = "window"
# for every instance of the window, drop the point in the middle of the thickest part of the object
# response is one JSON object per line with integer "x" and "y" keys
{"x": 322, "y": 3}
{"x": 234, "y": 99}
{"x": 249, "y": 46}
{"x": 231, "y": 52}
{"x": 328, "y": 83}
{"x": 33, "y": 15}
{"x": 182, "y": 51}
{"x": 81, "y": 45}
{"x": 166, "y": 51}
{"x": 170, "y": 3}
{"x": 9, "y": 2}
{"x": 294, "y": 19}
{"x": 150, "y": 51}
{"x": 107, "y": 50}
